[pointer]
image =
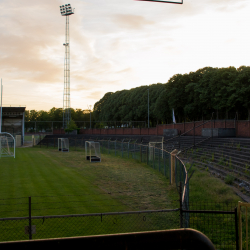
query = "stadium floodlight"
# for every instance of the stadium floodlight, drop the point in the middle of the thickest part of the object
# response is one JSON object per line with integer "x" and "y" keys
{"x": 92, "y": 151}
{"x": 66, "y": 10}
{"x": 63, "y": 144}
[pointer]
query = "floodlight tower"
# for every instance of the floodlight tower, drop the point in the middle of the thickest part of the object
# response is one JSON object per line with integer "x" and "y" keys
{"x": 66, "y": 10}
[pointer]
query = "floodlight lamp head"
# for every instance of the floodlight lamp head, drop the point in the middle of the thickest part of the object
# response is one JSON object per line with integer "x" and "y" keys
{"x": 66, "y": 10}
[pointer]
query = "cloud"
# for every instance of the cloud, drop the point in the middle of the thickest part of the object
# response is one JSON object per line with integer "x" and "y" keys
{"x": 95, "y": 95}
{"x": 113, "y": 44}
{"x": 225, "y": 5}
{"x": 27, "y": 30}
{"x": 131, "y": 21}
{"x": 125, "y": 71}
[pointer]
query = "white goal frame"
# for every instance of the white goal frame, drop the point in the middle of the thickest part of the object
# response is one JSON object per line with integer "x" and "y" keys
{"x": 92, "y": 151}
{"x": 7, "y": 142}
{"x": 152, "y": 145}
{"x": 63, "y": 144}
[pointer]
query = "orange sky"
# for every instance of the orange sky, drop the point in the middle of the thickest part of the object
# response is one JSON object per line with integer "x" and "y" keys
{"x": 114, "y": 45}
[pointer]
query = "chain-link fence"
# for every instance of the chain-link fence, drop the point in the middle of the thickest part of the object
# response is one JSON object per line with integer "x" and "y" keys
{"x": 55, "y": 226}
{"x": 218, "y": 221}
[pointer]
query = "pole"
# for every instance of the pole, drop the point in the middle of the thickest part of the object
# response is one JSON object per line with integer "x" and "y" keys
{"x": 236, "y": 228}
{"x": 66, "y": 91}
{"x": 90, "y": 118}
{"x": 148, "y": 107}
{"x": 89, "y": 107}
{"x": 30, "y": 224}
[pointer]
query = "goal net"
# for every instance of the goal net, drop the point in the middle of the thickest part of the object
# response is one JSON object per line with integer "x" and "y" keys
{"x": 63, "y": 144}
{"x": 92, "y": 151}
{"x": 7, "y": 145}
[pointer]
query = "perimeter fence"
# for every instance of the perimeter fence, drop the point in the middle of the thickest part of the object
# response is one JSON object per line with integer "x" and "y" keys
{"x": 218, "y": 221}
{"x": 28, "y": 210}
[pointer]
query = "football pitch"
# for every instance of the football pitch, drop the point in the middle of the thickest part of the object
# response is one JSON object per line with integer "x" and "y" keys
{"x": 62, "y": 183}
{"x": 72, "y": 197}
{"x": 65, "y": 183}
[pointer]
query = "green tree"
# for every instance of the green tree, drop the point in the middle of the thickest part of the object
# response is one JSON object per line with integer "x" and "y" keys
{"x": 240, "y": 91}
{"x": 71, "y": 126}
{"x": 176, "y": 95}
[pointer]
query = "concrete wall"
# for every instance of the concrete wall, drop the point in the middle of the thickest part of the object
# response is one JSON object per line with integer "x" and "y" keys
{"x": 170, "y": 132}
{"x": 219, "y": 132}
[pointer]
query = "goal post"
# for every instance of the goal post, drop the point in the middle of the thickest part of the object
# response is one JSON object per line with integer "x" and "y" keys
{"x": 92, "y": 151}
{"x": 7, "y": 145}
{"x": 152, "y": 146}
{"x": 63, "y": 144}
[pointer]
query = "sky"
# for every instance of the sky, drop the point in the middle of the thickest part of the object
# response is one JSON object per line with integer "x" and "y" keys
{"x": 114, "y": 45}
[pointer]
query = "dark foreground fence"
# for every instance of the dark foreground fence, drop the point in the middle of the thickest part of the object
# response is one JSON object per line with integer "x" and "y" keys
{"x": 57, "y": 226}
{"x": 217, "y": 221}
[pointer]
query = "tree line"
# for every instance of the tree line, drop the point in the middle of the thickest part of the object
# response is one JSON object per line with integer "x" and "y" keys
{"x": 56, "y": 114}
{"x": 223, "y": 92}
{"x": 42, "y": 120}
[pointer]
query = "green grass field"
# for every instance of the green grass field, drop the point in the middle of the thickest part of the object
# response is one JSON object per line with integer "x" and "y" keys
{"x": 65, "y": 183}
{"x": 67, "y": 178}
{"x": 58, "y": 181}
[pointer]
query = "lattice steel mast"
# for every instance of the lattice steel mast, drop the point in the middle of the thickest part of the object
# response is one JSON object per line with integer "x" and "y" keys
{"x": 66, "y": 10}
